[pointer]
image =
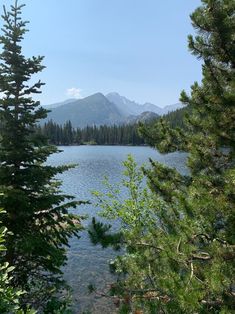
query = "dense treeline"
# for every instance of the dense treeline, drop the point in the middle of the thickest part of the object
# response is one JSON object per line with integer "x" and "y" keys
{"x": 100, "y": 135}
{"x": 125, "y": 134}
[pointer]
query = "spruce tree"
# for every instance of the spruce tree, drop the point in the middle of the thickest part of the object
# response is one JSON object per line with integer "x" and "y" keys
{"x": 179, "y": 235}
{"x": 36, "y": 212}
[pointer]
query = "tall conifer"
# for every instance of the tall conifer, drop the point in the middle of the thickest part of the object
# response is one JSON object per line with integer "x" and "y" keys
{"x": 36, "y": 212}
{"x": 206, "y": 201}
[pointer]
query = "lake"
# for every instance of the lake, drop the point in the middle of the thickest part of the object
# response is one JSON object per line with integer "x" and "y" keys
{"x": 88, "y": 263}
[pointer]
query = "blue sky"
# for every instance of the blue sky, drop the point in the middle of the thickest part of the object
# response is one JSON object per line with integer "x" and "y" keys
{"x": 135, "y": 47}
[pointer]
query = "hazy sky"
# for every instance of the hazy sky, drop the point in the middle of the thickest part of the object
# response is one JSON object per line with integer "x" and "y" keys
{"x": 135, "y": 47}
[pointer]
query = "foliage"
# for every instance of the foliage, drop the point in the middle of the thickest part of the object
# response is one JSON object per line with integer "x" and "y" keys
{"x": 148, "y": 233}
{"x": 180, "y": 242}
{"x": 36, "y": 212}
{"x": 9, "y": 296}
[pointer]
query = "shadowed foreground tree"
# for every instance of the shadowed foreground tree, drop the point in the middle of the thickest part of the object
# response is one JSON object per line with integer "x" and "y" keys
{"x": 36, "y": 212}
{"x": 179, "y": 238}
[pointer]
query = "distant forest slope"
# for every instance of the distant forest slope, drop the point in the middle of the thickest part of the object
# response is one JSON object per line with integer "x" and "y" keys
{"x": 176, "y": 118}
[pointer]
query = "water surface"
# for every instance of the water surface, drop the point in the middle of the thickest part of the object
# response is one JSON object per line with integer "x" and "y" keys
{"x": 88, "y": 263}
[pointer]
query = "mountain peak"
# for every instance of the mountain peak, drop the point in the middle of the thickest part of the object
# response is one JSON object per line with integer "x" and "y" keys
{"x": 99, "y": 109}
{"x": 129, "y": 107}
{"x": 97, "y": 95}
{"x": 95, "y": 109}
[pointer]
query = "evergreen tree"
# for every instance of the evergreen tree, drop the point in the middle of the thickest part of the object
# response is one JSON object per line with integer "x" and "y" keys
{"x": 36, "y": 212}
{"x": 179, "y": 238}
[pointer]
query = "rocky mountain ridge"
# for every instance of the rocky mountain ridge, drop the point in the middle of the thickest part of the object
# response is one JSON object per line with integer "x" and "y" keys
{"x": 98, "y": 109}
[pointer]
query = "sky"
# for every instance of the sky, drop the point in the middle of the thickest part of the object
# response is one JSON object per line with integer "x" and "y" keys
{"x": 137, "y": 48}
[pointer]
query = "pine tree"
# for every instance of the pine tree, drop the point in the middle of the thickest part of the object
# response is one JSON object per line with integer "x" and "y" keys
{"x": 179, "y": 237}
{"x": 36, "y": 212}
{"x": 207, "y": 200}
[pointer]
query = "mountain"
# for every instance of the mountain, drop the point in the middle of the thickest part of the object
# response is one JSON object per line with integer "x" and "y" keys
{"x": 58, "y": 104}
{"x": 173, "y": 107}
{"x": 98, "y": 110}
{"x": 151, "y": 107}
{"x": 143, "y": 117}
{"x": 125, "y": 106}
{"x": 128, "y": 107}
{"x": 95, "y": 109}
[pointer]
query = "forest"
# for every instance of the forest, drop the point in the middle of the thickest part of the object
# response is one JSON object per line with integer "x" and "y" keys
{"x": 124, "y": 134}
{"x": 176, "y": 244}
{"x": 94, "y": 135}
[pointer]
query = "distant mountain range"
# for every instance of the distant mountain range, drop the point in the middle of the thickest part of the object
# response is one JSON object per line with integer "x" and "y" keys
{"x": 129, "y": 107}
{"x": 98, "y": 110}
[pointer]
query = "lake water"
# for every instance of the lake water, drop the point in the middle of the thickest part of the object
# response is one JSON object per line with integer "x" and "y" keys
{"x": 88, "y": 263}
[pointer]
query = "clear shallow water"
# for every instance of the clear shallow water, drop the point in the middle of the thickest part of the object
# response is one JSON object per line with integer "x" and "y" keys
{"x": 88, "y": 263}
